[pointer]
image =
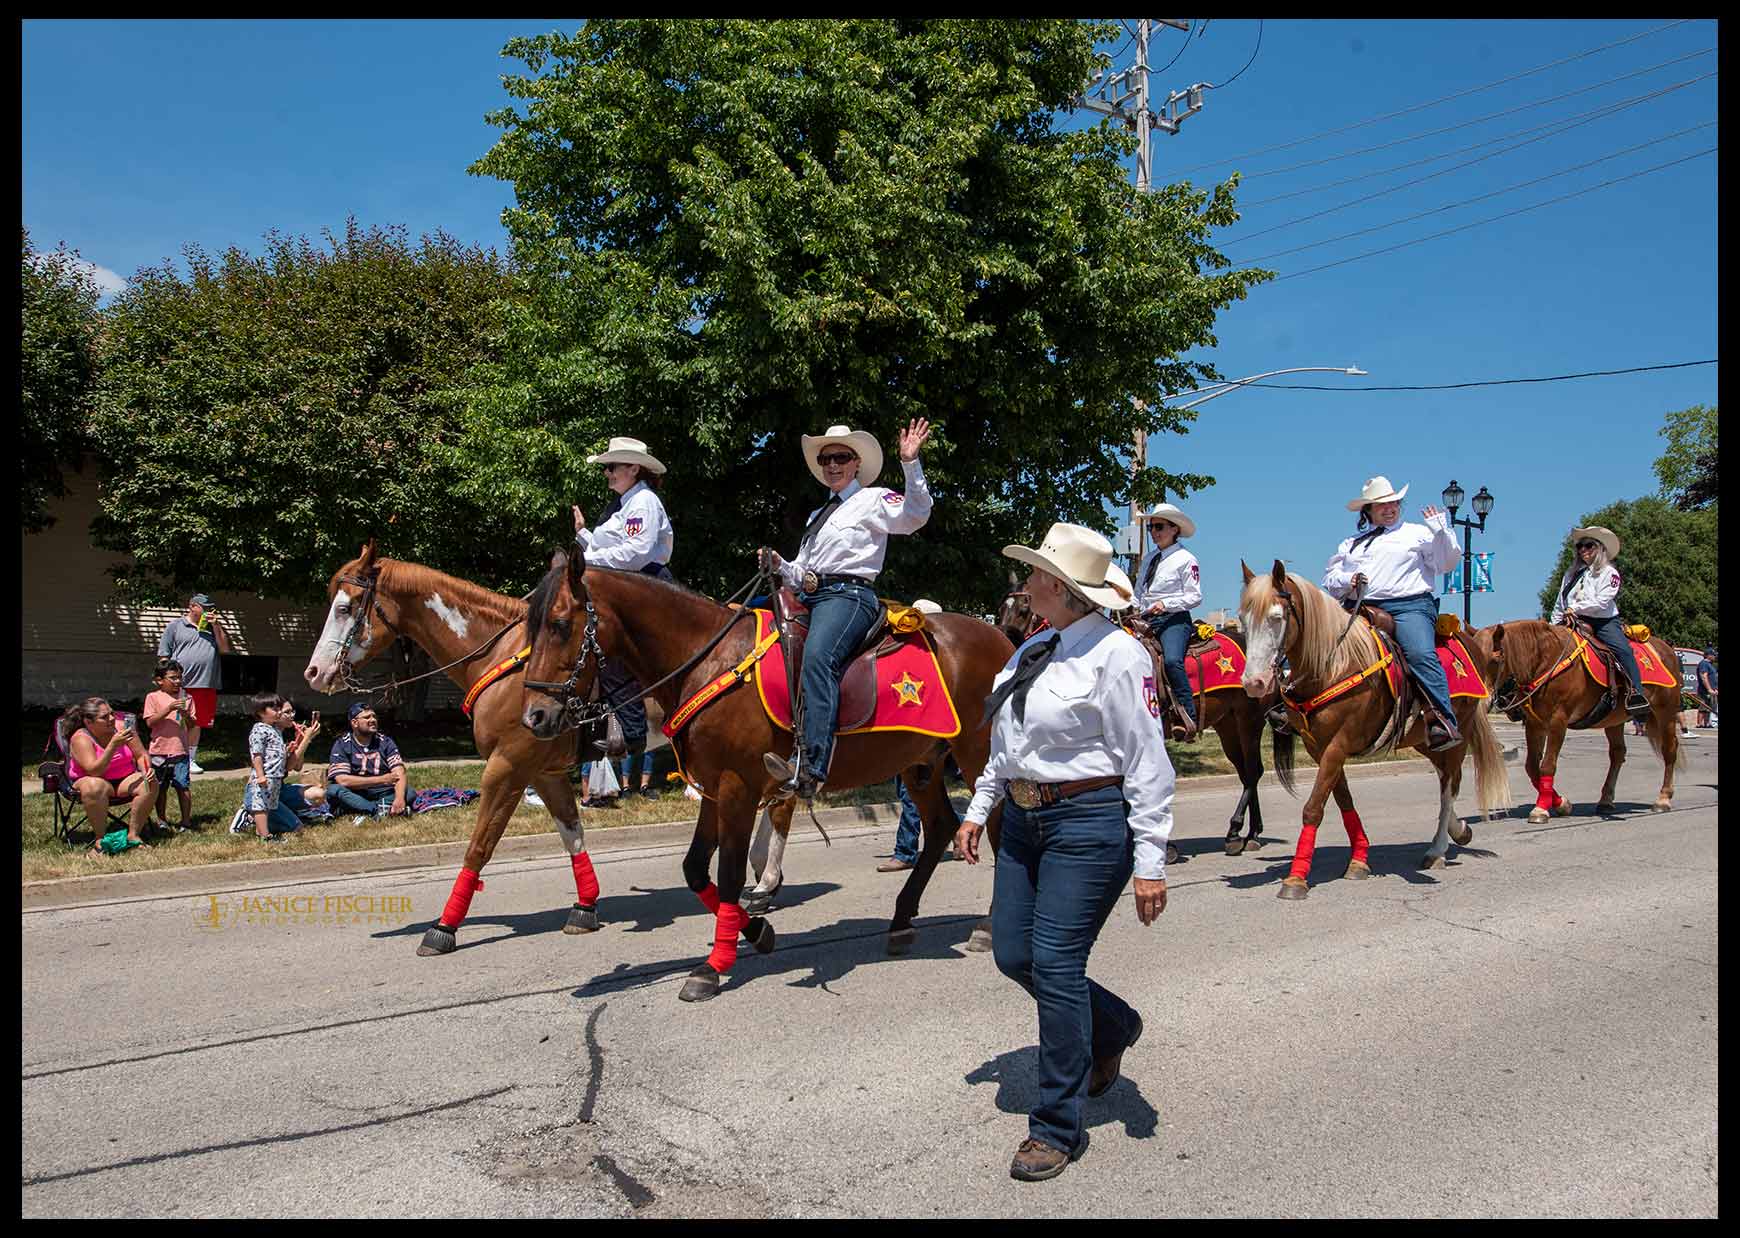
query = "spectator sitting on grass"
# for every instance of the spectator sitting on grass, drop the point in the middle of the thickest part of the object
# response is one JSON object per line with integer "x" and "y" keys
{"x": 365, "y": 773}
{"x": 269, "y": 758}
{"x": 297, "y": 804}
{"x": 168, "y": 709}
{"x": 106, "y": 762}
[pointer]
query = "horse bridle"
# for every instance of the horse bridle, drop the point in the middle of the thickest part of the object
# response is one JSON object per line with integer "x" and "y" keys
{"x": 369, "y": 587}
{"x": 1292, "y": 604}
{"x": 575, "y": 712}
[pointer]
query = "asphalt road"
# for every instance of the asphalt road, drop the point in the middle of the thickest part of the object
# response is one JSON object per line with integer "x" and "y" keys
{"x": 1529, "y": 1032}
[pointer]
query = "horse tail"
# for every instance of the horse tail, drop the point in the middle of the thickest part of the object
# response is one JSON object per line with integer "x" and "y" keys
{"x": 1491, "y": 778}
{"x": 1655, "y": 743}
{"x": 1283, "y": 750}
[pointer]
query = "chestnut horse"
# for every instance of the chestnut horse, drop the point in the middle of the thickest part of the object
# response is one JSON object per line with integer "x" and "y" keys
{"x": 1288, "y": 616}
{"x": 655, "y": 629}
{"x": 1548, "y": 690}
{"x": 375, "y": 600}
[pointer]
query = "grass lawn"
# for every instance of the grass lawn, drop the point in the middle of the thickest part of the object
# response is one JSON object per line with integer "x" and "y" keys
{"x": 215, "y": 801}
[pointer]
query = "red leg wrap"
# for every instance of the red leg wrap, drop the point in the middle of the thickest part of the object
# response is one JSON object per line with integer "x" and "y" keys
{"x": 459, "y": 902}
{"x": 585, "y": 880}
{"x": 1355, "y": 834}
{"x": 709, "y": 897}
{"x": 1302, "y": 853}
{"x": 1545, "y": 799}
{"x": 732, "y": 920}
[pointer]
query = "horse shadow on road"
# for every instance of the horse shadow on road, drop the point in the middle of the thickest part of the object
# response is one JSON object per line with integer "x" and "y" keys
{"x": 1016, "y": 1074}
{"x": 1385, "y": 860}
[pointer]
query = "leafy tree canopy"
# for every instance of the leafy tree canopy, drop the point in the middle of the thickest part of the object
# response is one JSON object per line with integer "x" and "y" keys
{"x": 1687, "y": 469}
{"x": 57, "y": 367}
{"x": 731, "y": 233}
{"x": 265, "y": 415}
{"x": 1667, "y": 568}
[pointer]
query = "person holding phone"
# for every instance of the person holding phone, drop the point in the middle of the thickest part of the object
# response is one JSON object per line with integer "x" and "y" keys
{"x": 105, "y": 761}
{"x": 196, "y": 640}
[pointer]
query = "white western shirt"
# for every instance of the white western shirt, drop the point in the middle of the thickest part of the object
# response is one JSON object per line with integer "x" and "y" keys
{"x": 1594, "y": 596}
{"x": 1400, "y": 562}
{"x": 855, "y": 539}
{"x": 636, "y": 534}
{"x": 1090, "y": 712}
{"x": 1177, "y": 583}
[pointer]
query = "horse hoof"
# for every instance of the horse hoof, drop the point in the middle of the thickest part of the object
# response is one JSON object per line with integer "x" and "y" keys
{"x": 1461, "y": 834}
{"x": 1434, "y": 861}
{"x": 900, "y": 940}
{"x": 1562, "y": 807}
{"x": 759, "y": 934}
{"x": 1293, "y": 889}
{"x": 1235, "y": 846}
{"x": 437, "y": 940}
{"x": 1357, "y": 870}
{"x": 1254, "y": 844}
{"x": 1537, "y": 816}
{"x": 581, "y": 920}
{"x": 1171, "y": 854}
{"x": 702, "y": 985}
{"x": 757, "y": 904}
{"x": 1662, "y": 806}
{"x": 1604, "y": 806}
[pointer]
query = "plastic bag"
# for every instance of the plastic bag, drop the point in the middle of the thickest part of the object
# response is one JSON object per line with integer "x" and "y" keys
{"x": 601, "y": 782}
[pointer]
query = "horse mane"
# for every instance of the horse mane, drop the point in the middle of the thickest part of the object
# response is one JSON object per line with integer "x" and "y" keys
{"x": 415, "y": 578}
{"x": 1324, "y": 622}
{"x": 538, "y": 603}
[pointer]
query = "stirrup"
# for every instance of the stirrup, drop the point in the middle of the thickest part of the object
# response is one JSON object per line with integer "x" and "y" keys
{"x": 1637, "y": 705}
{"x": 1447, "y": 736}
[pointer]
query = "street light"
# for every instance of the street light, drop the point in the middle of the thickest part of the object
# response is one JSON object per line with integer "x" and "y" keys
{"x": 1453, "y": 496}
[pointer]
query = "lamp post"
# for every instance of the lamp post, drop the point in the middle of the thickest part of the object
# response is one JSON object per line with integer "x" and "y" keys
{"x": 1482, "y": 503}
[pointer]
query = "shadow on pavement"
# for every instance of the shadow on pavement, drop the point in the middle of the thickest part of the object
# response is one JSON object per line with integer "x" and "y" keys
{"x": 1016, "y": 1075}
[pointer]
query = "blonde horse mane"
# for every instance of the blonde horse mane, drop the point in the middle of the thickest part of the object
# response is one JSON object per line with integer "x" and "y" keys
{"x": 1325, "y": 620}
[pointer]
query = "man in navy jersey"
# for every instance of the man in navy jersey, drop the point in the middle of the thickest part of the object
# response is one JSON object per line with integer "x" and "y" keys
{"x": 365, "y": 773}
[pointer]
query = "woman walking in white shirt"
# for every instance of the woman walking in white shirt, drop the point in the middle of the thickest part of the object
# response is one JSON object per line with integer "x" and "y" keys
{"x": 1077, "y": 749}
{"x": 1170, "y": 584}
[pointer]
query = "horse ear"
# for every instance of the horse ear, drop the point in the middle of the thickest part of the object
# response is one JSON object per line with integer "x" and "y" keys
{"x": 1249, "y": 575}
{"x": 1279, "y": 575}
{"x": 576, "y": 570}
{"x": 557, "y": 559}
{"x": 367, "y": 554}
{"x": 1497, "y": 636}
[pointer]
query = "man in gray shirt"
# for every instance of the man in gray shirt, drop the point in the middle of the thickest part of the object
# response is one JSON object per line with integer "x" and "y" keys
{"x": 195, "y": 640}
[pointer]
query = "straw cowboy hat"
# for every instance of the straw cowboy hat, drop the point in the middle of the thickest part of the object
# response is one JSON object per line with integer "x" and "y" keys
{"x": 861, "y": 441}
{"x": 1376, "y": 490}
{"x": 1607, "y": 537}
{"x": 1082, "y": 559}
{"x": 627, "y": 451}
{"x": 1166, "y": 511}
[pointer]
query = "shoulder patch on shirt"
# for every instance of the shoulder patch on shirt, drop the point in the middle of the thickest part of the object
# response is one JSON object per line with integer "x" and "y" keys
{"x": 892, "y": 499}
{"x": 1150, "y": 696}
{"x": 1615, "y": 575}
{"x": 1195, "y": 572}
{"x": 633, "y": 525}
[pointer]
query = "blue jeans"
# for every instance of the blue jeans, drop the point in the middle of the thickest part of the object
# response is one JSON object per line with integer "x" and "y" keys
{"x": 1611, "y": 633}
{"x": 840, "y": 619}
{"x": 1174, "y": 632}
{"x": 906, "y": 837}
{"x": 287, "y": 816}
{"x": 1415, "y": 618}
{"x": 359, "y": 799}
{"x": 1060, "y": 870}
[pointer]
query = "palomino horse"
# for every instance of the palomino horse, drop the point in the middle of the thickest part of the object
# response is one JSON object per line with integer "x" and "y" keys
{"x": 1287, "y": 616}
{"x": 1538, "y": 674}
{"x": 375, "y": 600}
{"x": 656, "y": 629}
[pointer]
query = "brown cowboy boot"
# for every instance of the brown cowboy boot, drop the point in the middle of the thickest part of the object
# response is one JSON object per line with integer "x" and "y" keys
{"x": 1441, "y": 732}
{"x": 1184, "y": 729}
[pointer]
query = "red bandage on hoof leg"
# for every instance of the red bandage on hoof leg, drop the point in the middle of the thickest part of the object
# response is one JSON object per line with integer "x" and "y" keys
{"x": 1302, "y": 853}
{"x": 1545, "y": 799}
{"x": 459, "y": 902}
{"x": 709, "y": 897}
{"x": 585, "y": 880}
{"x": 1355, "y": 835}
{"x": 732, "y": 919}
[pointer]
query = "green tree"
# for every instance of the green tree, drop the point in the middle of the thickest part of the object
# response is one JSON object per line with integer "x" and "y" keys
{"x": 57, "y": 364}
{"x": 1687, "y": 469}
{"x": 264, "y": 415}
{"x": 1667, "y": 568}
{"x": 732, "y": 233}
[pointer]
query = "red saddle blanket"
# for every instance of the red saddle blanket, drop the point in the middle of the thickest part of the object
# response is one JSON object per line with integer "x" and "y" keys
{"x": 1213, "y": 672}
{"x": 1459, "y": 669}
{"x": 910, "y": 692}
{"x": 1649, "y": 665}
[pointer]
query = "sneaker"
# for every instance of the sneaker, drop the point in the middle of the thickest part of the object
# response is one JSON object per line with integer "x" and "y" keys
{"x": 240, "y": 821}
{"x": 649, "y": 792}
{"x": 533, "y": 798}
{"x": 359, "y": 819}
{"x": 194, "y": 767}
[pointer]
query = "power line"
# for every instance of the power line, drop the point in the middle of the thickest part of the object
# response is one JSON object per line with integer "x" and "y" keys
{"x": 1491, "y": 382}
{"x": 1235, "y": 77}
{"x": 1569, "y": 122}
{"x": 1494, "y": 219}
{"x": 1185, "y": 46}
{"x": 1420, "y": 180}
{"x": 1327, "y": 133}
{"x": 1476, "y": 120}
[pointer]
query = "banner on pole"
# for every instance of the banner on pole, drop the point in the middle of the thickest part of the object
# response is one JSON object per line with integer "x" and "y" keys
{"x": 1482, "y": 575}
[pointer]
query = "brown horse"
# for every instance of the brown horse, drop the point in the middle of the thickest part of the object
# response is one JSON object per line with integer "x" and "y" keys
{"x": 373, "y": 601}
{"x": 1289, "y": 617}
{"x": 1548, "y": 690}
{"x": 654, "y": 629}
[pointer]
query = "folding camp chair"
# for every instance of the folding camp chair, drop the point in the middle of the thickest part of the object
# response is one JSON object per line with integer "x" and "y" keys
{"x": 69, "y": 809}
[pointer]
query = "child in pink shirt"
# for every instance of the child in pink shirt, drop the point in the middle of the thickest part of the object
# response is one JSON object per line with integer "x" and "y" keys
{"x": 167, "y": 712}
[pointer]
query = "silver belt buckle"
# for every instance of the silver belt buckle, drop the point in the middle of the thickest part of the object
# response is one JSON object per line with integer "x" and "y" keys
{"x": 811, "y": 582}
{"x": 1025, "y": 793}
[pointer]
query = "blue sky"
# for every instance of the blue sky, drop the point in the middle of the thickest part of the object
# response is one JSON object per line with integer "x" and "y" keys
{"x": 140, "y": 137}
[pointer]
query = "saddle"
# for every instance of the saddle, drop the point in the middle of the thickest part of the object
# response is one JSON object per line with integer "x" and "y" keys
{"x": 858, "y": 680}
{"x": 1199, "y": 647}
{"x": 1618, "y": 686}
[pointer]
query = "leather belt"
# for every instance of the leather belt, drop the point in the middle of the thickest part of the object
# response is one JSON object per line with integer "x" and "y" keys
{"x": 1030, "y": 795}
{"x": 813, "y": 581}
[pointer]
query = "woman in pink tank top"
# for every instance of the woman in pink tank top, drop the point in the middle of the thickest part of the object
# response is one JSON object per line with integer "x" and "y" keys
{"x": 104, "y": 764}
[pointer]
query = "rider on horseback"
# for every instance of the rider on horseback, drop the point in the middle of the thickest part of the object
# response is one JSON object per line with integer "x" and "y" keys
{"x": 1171, "y": 583}
{"x": 1390, "y": 565}
{"x": 838, "y": 559}
{"x": 1590, "y": 589}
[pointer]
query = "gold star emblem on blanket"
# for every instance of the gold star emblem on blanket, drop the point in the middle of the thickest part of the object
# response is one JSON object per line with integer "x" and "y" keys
{"x": 1225, "y": 664}
{"x": 908, "y": 690}
{"x": 1643, "y": 661}
{"x": 1457, "y": 663}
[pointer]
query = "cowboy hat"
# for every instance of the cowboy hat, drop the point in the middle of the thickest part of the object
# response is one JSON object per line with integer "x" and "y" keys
{"x": 1166, "y": 511}
{"x": 1082, "y": 559}
{"x": 627, "y": 451}
{"x": 1376, "y": 490}
{"x": 1607, "y": 537}
{"x": 864, "y": 443}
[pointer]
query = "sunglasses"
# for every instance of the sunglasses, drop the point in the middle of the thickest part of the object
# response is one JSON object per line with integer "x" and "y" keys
{"x": 611, "y": 468}
{"x": 1587, "y": 545}
{"x": 835, "y": 457}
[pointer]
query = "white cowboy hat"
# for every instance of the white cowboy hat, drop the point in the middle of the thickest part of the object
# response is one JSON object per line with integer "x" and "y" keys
{"x": 927, "y": 606}
{"x": 1376, "y": 490}
{"x": 627, "y": 451}
{"x": 1082, "y": 559}
{"x": 1166, "y": 511}
{"x": 861, "y": 441}
{"x": 1607, "y": 537}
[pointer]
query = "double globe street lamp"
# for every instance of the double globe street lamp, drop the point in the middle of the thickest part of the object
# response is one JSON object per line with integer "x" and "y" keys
{"x": 1482, "y": 504}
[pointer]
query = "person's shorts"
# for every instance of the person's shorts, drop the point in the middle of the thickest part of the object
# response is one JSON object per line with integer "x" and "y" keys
{"x": 171, "y": 771}
{"x": 261, "y": 799}
{"x": 204, "y": 705}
